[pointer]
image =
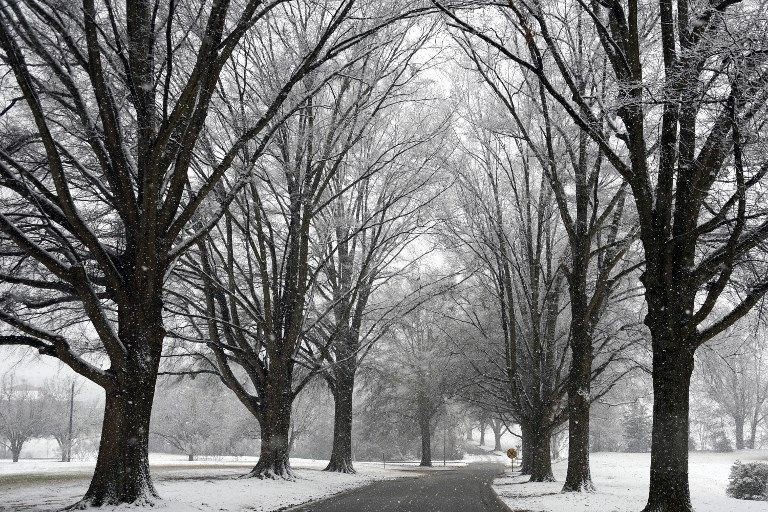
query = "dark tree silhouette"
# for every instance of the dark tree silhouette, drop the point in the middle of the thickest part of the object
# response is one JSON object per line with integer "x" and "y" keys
{"x": 260, "y": 310}
{"x": 683, "y": 149}
{"x": 103, "y": 173}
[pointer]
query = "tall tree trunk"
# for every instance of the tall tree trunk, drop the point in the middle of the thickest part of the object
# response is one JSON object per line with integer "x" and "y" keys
{"x": 66, "y": 455}
{"x": 470, "y": 434}
{"x": 122, "y": 467}
{"x": 497, "y": 430}
{"x": 275, "y": 431}
{"x": 341, "y": 453}
{"x": 752, "y": 433}
{"x": 426, "y": 441}
{"x": 525, "y": 448}
{"x": 578, "y": 477}
{"x": 541, "y": 456}
{"x": 739, "y": 423}
{"x": 672, "y": 369}
{"x": 482, "y": 433}
{"x": 15, "y": 451}
{"x": 554, "y": 446}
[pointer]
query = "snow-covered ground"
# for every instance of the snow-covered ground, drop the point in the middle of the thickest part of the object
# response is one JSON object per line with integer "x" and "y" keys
{"x": 157, "y": 460}
{"x": 207, "y": 485}
{"x": 622, "y": 485}
{"x": 477, "y": 453}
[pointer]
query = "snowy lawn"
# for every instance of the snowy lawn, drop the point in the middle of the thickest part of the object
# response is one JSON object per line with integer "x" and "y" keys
{"x": 622, "y": 485}
{"x": 208, "y": 485}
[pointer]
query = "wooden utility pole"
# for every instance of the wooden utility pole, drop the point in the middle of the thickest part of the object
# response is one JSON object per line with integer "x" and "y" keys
{"x": 68, "y": 447}
{"x": 445, "y": 435}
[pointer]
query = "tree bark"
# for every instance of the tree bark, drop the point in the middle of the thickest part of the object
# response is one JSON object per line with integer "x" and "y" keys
{"x": 578, "y": 477}
{"x": 497, "y": 429}
{"x": 672, "y": 369}
{"x": 554, "y": 447}
{"x": 739, "y": 423}
{"x": 66, "y": 455}
{"x": 426, "y": 441}
{"x": 275, "y": 430}
{"x": 15, "y": 452}
{"x": 482, "y": 433}
{"x": 273, "y": 457}
{"x": 341, "y": 453}
{"x": 66, "y": 450}
{"x": 541, "y": 457}
{"x": 752, "y": 434}
{"x": 122, "y": 467}
{"x": 525, "y": 448}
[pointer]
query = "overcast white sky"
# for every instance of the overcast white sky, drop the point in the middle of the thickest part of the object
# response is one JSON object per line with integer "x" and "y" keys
{"x": 35, "y": 369}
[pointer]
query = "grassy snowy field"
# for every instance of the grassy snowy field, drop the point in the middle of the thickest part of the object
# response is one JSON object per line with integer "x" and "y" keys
{"x": 212, "y": 485}
{"x": 208, "y": 485}
{"x": 622, "y": 485}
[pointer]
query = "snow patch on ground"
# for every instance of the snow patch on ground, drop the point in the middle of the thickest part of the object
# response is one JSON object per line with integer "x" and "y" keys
{"x": 492, "y": 457}
{"x": 156, "y": 460}
{"x": 622, "y": 485}
{"x": 206, "y": 485}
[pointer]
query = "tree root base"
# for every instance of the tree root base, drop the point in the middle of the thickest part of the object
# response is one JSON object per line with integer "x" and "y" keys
{"x": 676, "y": 507}
{"x": 340, "y": 467}
{"x": 271, "y": 473}
{"x": 548, "y": 478}
{"x": 150, "y": 499}
{"x": 585, "y": 487}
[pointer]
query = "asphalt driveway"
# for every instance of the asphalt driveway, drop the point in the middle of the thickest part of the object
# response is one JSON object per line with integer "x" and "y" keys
{"x": 464, "y": 489}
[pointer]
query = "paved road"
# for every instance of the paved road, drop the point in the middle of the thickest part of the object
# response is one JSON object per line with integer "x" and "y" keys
{"x": 466, "y": 489}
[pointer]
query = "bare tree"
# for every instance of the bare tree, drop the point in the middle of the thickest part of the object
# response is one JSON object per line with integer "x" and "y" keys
{"x": 307, "y": 411}
{"x": 106, "y": 166}
{"x": 590, "y": 203}
{"x": 186, "y": 415}
{"x": 23, "y": 414}
{"x": 257, "y": 273}
{"x": 69, "y": 415}
{"x": 379, "y": 207}
{"x": 516, "y": 237}
{"x": 732, "y": 372}
{"x": 511, "y": 238}
{"x": 679, "y": 140}
{"x": 411, "y": 374}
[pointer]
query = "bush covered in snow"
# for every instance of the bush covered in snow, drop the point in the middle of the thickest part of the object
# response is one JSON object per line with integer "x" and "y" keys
{"x": 748, "y": 481}
{"x": 721, "y": 443}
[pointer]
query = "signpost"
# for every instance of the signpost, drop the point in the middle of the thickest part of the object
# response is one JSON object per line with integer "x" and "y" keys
{"x": 512, "y": 454}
